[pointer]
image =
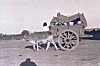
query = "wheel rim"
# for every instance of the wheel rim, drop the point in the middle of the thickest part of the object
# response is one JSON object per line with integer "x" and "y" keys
{"x": 68, "y": 40}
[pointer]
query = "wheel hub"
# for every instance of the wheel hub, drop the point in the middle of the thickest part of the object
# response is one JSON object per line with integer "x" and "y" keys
{"x": 68, "y": 40}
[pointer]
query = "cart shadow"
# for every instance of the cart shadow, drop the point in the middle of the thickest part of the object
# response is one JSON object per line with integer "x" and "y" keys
{"x": 29, "y": 46}
{"x": 42, "y": 46}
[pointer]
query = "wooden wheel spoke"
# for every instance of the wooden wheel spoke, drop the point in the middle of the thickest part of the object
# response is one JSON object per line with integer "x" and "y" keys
{"x": 62, "y": 42}
{"x": 62, "y": 39}
{"x": 72, "y": 37}
{"x": 73, "y": 41}
{"x": 64, "y": 35}
{"x": 70, "y": 34}
{"x": 65, "y": 45}
{"x": 70, "y": 46}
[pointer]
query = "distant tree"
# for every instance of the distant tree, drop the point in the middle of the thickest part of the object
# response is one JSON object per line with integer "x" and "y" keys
{"x": 1, "y": 34}
{"x": 25, "y": 32}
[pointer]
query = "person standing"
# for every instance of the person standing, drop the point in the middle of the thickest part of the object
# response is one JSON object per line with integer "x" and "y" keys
{"x": 45, "y": 27}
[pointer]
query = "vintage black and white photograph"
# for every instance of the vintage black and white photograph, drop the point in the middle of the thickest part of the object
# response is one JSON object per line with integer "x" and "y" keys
{"x": 49, "y": 33}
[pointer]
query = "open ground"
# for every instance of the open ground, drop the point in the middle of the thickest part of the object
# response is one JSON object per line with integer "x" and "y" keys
{"x": 14, "y": 52}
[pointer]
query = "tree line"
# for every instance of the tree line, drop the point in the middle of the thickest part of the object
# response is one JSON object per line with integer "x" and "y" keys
{"x": 14, "y": 36}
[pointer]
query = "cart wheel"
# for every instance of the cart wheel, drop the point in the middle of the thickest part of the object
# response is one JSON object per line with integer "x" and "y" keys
{"x": 68, "y": 40}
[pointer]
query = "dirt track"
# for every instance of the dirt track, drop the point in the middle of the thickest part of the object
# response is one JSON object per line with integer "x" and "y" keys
{"x": 13, "y": 53}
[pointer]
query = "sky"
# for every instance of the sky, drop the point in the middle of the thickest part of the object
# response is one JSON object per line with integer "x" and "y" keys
{"x": 19, "y": 15}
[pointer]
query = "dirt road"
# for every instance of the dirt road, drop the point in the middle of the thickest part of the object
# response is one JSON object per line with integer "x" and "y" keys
{"x": 14, "y": 52}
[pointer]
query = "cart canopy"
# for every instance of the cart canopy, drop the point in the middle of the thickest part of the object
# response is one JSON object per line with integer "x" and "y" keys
{"x": 74, "y": 18}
